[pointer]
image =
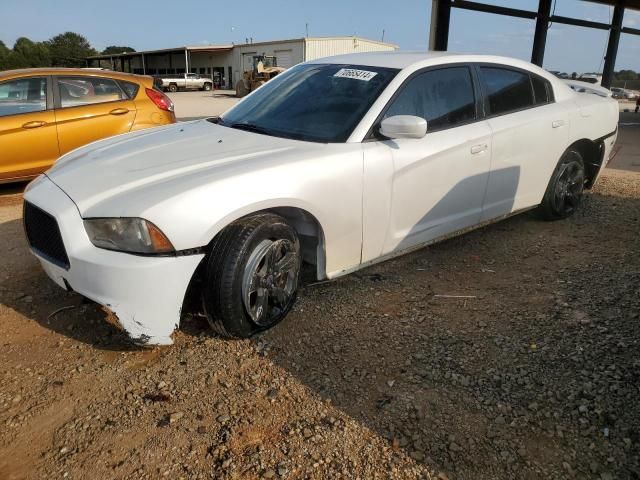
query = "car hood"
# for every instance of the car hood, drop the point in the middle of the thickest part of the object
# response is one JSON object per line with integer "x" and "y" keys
{"x": 129, "y": 163}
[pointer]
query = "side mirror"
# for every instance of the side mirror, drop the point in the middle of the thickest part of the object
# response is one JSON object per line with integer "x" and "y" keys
{"x": 404, "y": 126}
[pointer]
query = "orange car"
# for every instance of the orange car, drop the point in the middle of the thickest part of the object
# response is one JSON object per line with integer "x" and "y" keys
{"x": 46, "y": 112}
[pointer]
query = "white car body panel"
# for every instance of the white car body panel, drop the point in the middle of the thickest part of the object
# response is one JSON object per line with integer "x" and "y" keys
{"x": 118, "y": 281}
{"x": 371, "y": 199}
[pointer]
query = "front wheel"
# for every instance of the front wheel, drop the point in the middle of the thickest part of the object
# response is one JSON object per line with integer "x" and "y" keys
{"x": 251, "y": 278}
{"x": 564, "y": 192}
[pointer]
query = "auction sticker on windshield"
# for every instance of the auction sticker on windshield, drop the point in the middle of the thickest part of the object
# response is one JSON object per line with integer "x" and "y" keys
{"x": 363, "y": 75}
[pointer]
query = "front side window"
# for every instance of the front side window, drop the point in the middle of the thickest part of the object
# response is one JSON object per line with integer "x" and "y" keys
{"x": 25, "y": 95}
{"x": 443, "y": 97}
{"x": 76, "y": 91}
{"x": 313, "y": 102}
{"x": 507, "y": 90}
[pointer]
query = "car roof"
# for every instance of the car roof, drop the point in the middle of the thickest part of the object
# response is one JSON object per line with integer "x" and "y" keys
{"x": 410, "y": 61}
{"x": 26, "y": 72}
{"x": 403, "y": 59}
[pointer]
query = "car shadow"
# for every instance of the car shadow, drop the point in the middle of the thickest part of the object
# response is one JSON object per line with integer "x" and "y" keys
{"x": 470, "y": 355}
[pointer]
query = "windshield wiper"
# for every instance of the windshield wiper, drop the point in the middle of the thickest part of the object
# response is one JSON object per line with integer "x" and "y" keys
{"x": 250, "y": 127}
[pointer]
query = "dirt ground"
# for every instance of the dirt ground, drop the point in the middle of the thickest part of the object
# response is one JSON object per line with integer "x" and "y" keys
{"x": 377, "y": 375}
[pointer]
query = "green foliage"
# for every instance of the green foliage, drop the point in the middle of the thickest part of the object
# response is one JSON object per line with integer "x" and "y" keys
{"x": 69, "y": 49}
{"x": 27, "y": 54}
{"x": 114, "y": 49}
{"x": 4, "y": 56}
{"x": 626, "y": 75}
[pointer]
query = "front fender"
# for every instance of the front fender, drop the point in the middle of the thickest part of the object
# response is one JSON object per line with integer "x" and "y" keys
{"x": 329, "y": 188}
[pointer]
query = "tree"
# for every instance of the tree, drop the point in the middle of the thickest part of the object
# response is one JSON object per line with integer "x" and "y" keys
{"x": 626, "y": 75}
{"x": 69, "y": 49}
{"x": 27, "y": 53}
{"x": 4, "y": 56}
{"x": 113, "y": 49}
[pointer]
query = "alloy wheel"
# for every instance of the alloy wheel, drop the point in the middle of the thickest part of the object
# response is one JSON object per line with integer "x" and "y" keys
{"x": 270, "y": 280}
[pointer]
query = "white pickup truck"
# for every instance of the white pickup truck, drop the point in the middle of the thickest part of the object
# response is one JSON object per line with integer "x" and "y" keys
{"x": 184, "y": 81}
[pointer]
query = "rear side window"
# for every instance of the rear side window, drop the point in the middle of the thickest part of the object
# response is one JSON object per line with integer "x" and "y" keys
{"x": 507, "y": 90}
{"x": 130, "y": 88}
{"x": 541, "y": 90}
{"x": 76, "y": 91}
{"x": 444, "y": 97}
{"x": 26, "y": 95}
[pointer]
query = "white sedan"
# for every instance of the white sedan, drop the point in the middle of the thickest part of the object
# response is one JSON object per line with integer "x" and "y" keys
{"x": 341, "y": 162}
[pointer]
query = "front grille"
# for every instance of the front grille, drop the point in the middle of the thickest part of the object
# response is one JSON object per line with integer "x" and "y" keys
{"x": 44, "y": 236}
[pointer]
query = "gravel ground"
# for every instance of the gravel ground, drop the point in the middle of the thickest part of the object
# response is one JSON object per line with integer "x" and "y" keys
{"x": 375, "y": 375}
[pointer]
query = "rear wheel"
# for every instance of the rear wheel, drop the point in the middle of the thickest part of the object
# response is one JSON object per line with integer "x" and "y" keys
{"x": 564, "y": 192}
{"x": 173, "y": 87}
{"x": 251, "y": 277}
{"x": 207, "y": 87}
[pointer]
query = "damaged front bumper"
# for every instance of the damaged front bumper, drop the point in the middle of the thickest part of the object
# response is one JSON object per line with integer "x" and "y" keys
{"x": 145, "y": 292}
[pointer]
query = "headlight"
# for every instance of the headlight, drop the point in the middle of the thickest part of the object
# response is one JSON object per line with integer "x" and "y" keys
{"x": 132, "y": 235}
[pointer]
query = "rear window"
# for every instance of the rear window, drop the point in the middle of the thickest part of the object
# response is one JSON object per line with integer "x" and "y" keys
{"x": 507, "y": 90}
{"x": 130, "y": 88}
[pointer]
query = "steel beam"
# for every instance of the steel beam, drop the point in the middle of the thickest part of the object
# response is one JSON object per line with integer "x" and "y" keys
{"x": 612, "y": 46}
{"x": 579, "y": 23}
{"x": 631, "y": 31}
{"x": 540, "y": 36}
{"x": 440, "y": 21}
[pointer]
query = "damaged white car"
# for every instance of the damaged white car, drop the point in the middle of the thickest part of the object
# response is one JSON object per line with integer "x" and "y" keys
{"x": 340, "y": 162}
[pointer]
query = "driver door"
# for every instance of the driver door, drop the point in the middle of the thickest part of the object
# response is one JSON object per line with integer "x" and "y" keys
{"x": 429, "y": 187}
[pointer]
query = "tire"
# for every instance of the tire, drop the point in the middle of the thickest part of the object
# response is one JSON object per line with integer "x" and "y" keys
{"x": 173, "y": 88}
{"x": 207, "y": 87}
{"x": 241, "y": 89}
{"x": 564, "y": 192}
{"x": 244, "y": 291}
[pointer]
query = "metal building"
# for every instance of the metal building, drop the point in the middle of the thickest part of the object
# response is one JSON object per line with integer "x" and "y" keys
{"x": 224, "y": 64}
{"x": 441, "y": 19}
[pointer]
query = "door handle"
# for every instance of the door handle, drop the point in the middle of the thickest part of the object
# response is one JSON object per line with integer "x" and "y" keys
{"x": 34, "y": 124}
{"x": 479, "y": 148}
{"x": 119, "y": 111}
{"x": 557, "y": 123}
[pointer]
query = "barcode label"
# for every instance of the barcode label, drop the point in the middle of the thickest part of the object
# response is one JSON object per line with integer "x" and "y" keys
{"x": 363, "y": 75}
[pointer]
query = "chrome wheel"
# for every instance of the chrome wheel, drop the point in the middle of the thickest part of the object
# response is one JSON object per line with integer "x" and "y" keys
{"x": 568, "y": 188}
{"x": 270, "y": 280}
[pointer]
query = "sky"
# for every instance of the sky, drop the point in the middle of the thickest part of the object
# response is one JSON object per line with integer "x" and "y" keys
{"x": 148, "y": 25}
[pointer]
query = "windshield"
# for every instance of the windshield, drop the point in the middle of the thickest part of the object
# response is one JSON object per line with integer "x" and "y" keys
{"x": 314, "y": 102}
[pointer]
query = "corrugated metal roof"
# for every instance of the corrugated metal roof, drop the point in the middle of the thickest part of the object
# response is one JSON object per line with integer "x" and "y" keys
{"x": 192, "y": 48}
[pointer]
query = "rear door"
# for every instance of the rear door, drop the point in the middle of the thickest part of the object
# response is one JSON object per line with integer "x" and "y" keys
{"x": 90, "y": 108}
{"x": 530, "y": 133}
{"x": 28, "y": 139}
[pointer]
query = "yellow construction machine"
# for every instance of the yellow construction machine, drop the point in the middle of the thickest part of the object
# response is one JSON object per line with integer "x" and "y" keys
{"x": 264, "y": 69}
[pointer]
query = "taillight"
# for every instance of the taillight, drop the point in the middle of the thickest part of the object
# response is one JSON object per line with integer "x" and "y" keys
{"x": 160, "y": 99}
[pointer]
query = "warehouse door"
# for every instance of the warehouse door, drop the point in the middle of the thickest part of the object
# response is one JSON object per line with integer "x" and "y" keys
{"x": 284, "y": 58}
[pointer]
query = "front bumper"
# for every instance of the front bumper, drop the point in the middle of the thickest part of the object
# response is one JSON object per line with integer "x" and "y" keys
{"x": 145, "y": 292}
